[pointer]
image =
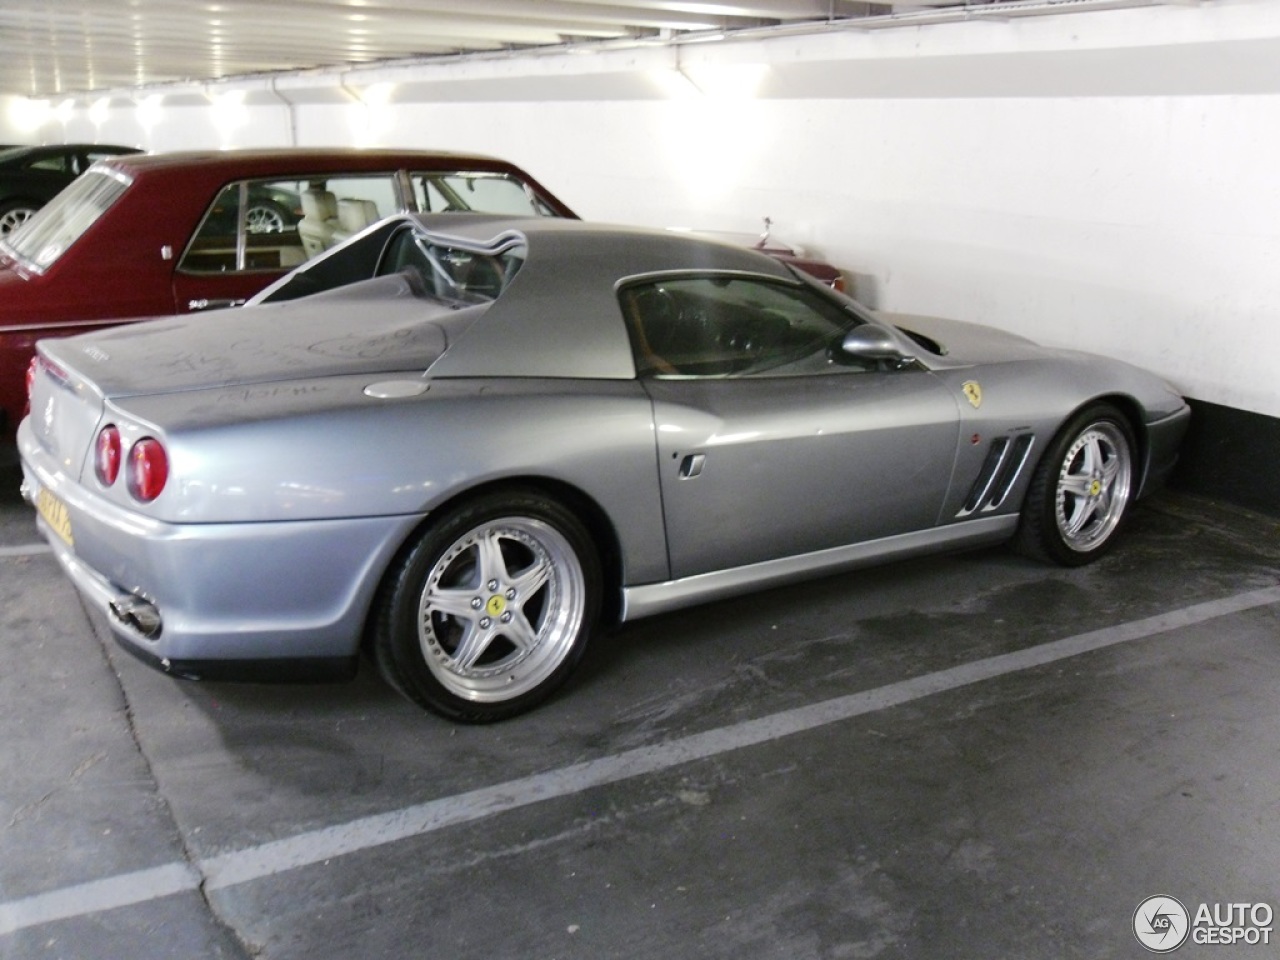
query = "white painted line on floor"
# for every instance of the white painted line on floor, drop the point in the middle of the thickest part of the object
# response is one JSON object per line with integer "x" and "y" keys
{"x": 97, "y": 896}
{"x": 25, "y": 550}
{"x": 316, "y": 846}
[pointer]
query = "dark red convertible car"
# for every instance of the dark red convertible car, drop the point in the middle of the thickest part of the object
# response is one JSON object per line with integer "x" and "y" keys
{"x": 151, "y": 235}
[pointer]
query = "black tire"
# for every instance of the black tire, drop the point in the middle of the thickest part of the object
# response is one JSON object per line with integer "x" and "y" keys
{"x": 1082, "y": 489}
{"x": 490, "y": 610}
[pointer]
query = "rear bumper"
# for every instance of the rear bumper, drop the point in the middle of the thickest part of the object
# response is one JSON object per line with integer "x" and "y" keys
{"x": 204, "y": 600}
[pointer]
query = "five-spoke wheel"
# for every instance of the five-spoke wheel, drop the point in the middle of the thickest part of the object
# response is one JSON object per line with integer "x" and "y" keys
{"x": 491, "y": 609}
{"x": 1080, "y": 494}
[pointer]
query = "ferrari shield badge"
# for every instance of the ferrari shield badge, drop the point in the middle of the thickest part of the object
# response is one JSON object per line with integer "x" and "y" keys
{"x": 973, "y": 392}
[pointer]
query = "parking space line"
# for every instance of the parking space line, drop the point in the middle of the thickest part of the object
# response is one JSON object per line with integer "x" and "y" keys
{"x": 317, "y": 846}
{"x": 25, "y": 550}
{"x": 96, "y": 896}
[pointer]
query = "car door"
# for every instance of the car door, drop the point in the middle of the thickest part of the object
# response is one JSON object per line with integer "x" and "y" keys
{"x": 770, "y": 443}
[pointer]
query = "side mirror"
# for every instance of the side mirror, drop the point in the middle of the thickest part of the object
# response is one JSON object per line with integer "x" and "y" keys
{"x": 872, "y": 343}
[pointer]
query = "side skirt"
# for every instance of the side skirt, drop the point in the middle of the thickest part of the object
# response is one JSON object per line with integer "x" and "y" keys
{"x": 653, "y": 598}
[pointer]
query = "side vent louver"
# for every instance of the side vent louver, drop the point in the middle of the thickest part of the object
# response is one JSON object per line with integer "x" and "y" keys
{"x": 1004, "y": 461}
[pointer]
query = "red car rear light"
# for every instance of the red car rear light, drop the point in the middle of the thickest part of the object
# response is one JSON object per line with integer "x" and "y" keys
{"x": 148, "y": 469}
{"x": 107, "y": 453}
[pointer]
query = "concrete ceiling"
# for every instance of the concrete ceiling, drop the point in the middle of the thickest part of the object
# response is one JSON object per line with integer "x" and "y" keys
{"x": 52, "y": 47}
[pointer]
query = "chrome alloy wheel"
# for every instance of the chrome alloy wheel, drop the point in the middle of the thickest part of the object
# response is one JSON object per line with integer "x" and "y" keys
{"x": 12, "y": 219}
{"x": 1093, "y": 487}
{"x": 264, "y": 219}
{"x": 501, "y": 609}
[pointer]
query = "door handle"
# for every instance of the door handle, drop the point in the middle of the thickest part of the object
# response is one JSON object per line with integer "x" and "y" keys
{"x": 691, "y": 466}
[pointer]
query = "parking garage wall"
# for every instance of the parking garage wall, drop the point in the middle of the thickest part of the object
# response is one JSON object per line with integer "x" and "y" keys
{"x": 1104, "y": 181}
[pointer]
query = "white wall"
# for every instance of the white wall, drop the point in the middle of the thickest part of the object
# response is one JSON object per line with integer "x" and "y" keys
{"x": 1108, "y": 180}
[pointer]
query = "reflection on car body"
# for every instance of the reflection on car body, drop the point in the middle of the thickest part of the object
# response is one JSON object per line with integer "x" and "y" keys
{"x": 467, "y": 442}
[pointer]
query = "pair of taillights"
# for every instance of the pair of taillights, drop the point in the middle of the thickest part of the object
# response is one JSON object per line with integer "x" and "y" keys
{"x": 146, "y": 469}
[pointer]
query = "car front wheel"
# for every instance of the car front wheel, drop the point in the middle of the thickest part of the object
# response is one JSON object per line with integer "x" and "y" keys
{"x": 1080, "y": 495}
{"x": 491, "y": 609}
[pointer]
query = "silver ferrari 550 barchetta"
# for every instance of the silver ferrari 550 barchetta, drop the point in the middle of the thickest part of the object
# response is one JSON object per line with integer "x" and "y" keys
{"x": 467, "y": 443}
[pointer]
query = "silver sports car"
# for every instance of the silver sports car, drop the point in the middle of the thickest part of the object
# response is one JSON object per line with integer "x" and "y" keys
{"x": 466, "y": 444}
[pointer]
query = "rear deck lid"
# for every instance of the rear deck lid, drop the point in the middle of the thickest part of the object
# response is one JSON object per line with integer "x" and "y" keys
{"x": 375, "y": 327}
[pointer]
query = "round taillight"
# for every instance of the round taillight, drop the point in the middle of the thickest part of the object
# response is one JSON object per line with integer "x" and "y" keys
{"x": 148, "y": 469}
{"x": 107, "y": 453}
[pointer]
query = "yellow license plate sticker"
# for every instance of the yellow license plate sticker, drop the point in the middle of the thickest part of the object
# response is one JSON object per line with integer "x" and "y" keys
{"x": 55, "y": 514}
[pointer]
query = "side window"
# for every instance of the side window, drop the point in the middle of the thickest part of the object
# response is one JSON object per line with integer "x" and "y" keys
{"x": 732, "y": 326}
{"x": 66, "y": 218}
{"x": 476, "y": 192}
{"x": 278, "y": 224}
{"x": 360, "y": 201}
{"x": 58, "y": 163}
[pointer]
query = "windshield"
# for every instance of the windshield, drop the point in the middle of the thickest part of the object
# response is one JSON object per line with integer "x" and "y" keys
{"x": 55, "y": 227}
{"x": 464, "y": 191}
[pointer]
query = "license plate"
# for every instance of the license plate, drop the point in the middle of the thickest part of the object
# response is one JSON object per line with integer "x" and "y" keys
{"x": 55, "y": 514}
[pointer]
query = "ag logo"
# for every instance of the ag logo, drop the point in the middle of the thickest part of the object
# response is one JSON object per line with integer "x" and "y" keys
{"x": 973, "y": 391}
{"x": 1161, "y": 924}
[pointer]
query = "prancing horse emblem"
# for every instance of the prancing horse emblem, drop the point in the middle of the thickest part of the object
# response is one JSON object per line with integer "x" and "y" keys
{"x": 973, "y": 391}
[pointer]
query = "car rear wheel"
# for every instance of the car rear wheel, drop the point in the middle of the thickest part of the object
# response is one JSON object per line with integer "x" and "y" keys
{"x": 1080, "y": 495}
{"x": 14, "y": 215}
{"x": 491, "y": 609}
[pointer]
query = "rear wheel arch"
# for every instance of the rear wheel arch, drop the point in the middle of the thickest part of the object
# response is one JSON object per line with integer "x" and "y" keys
{"x": 588, "y": 511}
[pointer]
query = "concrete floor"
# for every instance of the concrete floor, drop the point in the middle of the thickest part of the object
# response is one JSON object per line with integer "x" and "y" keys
{"x": 962, "y": 757}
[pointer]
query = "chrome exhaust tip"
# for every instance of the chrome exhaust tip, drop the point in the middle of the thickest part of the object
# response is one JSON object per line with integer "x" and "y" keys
{"x": 138, "y": 614}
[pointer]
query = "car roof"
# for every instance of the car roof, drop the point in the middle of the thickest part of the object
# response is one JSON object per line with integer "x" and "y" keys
{"x": 292, "y": 159}
{"x": 55, "y": 149}
{"x": 670, "y": 246}
{"x": 549, "y": 322}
